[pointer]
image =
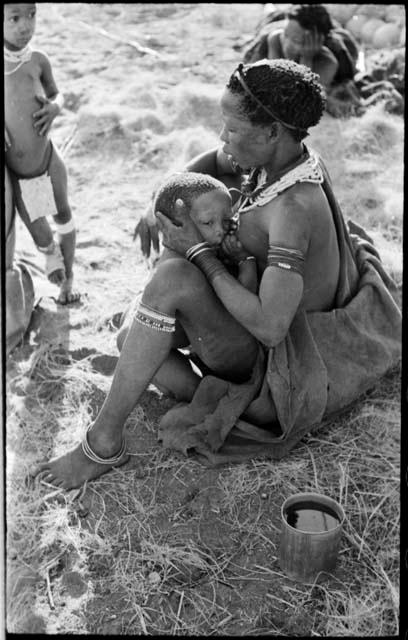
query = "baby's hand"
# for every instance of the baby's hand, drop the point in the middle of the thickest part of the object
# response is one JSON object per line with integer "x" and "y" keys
{"x": 66, "y": 295}
{"x": 45, "y": 115}
{"x": 233, "y": 248}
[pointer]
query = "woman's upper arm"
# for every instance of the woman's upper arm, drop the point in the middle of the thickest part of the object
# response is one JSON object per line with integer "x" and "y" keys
{"x": 274, "y": 46}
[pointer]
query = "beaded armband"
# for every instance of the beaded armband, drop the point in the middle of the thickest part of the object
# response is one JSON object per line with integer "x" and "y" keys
{"x": 287, "y": 259}
{"x": 154, "y": 319}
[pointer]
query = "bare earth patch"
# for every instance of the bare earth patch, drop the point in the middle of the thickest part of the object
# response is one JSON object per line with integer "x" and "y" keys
{"x": 165, "y": 545}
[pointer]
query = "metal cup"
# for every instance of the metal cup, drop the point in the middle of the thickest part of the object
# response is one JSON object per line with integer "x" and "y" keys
{"x": 305, "y": 554}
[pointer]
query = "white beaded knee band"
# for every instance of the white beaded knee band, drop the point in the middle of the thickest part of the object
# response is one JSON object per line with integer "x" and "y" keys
{"x": 63, "y": 229}
{"x": 155, "y": 319}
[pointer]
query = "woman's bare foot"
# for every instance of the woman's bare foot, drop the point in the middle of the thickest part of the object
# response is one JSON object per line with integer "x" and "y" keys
{"x": 72, "y": 469}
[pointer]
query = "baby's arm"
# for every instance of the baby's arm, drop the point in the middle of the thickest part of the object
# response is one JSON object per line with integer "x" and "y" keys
{"x": 247, "y": 269}
{"x": 52, "y": 103}
{"x": 248, "y": 275}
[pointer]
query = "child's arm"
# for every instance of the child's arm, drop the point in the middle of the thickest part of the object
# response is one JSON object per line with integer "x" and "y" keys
{"x": 247, "y": 268}
{"x": 52, "y": 103}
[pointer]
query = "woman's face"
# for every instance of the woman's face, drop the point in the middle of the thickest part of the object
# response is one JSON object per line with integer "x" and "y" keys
{"x": 246, "y": 143}
{"x": 293, "y": 40}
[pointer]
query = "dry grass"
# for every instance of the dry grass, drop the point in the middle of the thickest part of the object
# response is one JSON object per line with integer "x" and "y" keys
{"x": 165, "y": 545}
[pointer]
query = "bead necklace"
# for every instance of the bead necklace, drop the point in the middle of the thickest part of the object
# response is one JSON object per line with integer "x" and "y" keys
{"x": 19, "y": 57}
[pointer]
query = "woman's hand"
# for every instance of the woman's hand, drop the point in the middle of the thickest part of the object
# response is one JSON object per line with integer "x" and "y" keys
{"x": 312, "y": 43}
{"x": 181, "y": 235}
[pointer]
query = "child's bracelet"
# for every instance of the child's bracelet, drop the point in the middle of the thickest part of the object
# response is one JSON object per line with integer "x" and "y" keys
{"x": 245, "y": 259}
{"x": 47, "y": 250}
{"x": 63, "y": 229}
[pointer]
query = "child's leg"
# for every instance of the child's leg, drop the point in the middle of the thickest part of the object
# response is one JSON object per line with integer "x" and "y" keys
{"x": 41, "y": 233}
{"x": 39, "y": 229}
{"x": 67, "y": 238}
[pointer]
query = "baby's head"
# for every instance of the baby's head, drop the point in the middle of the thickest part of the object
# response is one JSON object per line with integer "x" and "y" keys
{"x": 18, "y": 25}
{"x": 207, "y": 199}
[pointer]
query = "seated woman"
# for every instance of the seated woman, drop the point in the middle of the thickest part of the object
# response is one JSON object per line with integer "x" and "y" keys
{"x": 306, "y": 34}
{"x": 318, "y": 331}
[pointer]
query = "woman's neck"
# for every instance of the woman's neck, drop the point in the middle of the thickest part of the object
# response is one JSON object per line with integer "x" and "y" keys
{"x": 285, "y": 157}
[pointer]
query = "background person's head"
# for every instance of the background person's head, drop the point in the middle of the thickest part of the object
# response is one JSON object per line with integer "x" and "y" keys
{"x": 207, "y": 199}
{"x": 18, "y": 25}
{"x": 280, "y": 99}
{"x": 301, "y": 20}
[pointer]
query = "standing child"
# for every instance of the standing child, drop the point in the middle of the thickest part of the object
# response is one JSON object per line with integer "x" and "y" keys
{"x": 39, "y": 176}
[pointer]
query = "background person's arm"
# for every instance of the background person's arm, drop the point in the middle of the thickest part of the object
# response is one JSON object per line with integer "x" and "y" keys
{"x": 274, "y": 45}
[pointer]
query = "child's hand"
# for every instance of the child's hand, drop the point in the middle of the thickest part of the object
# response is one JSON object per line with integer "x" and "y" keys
{"x": 233, "y": 248}
{"x": 45, "y": 115}
{"x": 66, "y": 294}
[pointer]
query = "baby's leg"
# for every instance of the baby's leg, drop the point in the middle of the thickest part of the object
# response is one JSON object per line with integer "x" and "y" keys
{"x": 175, "y": 377}
{"x": 67, "y": 240}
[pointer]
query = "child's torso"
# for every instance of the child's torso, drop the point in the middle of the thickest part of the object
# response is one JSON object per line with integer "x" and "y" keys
{"x": 27, "y": 154}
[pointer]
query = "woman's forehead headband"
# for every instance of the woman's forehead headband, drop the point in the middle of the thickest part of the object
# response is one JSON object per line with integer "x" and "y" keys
{"x": 239, "y": 75}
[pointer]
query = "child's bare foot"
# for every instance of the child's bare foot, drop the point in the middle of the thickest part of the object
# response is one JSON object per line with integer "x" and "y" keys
{"x": 66, "y": 295}
{"x": 72, "y": 469}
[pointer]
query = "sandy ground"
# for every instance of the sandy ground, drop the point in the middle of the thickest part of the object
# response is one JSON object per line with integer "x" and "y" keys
{"x": 130, "y": 118}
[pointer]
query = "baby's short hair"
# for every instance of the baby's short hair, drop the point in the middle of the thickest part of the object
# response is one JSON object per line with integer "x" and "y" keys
{"x": 187, "y": 186}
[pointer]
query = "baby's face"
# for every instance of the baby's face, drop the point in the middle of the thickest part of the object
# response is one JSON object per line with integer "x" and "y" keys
{"x": 18, "y": 25}
{"x": 212, "y": 212}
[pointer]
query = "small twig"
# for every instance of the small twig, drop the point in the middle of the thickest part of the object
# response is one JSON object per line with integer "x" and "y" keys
{"x": 130, "y": 43}
{"x": 49, "y": 594}
{"x": 178, "y": 612}
{"x": 68, "y": 142}
{"x": 314, "y": 467}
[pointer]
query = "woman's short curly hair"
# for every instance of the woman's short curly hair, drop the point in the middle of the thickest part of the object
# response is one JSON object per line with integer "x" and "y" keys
{"x": 290, "y": 90}
{"x": 187, "y": 186}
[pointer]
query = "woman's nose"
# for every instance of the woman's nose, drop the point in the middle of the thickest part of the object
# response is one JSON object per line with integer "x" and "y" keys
{"x": 223, "y": 134}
